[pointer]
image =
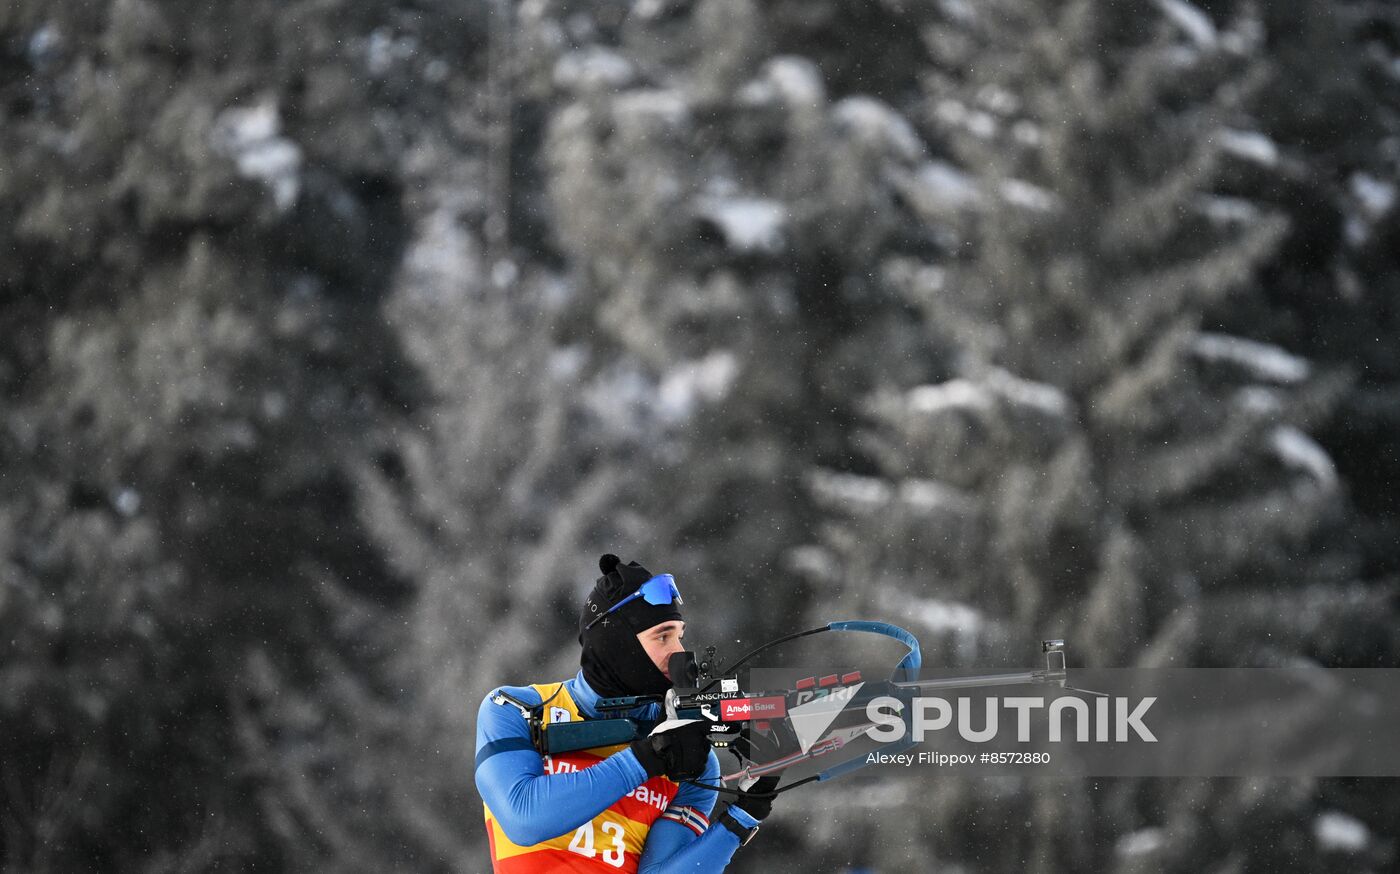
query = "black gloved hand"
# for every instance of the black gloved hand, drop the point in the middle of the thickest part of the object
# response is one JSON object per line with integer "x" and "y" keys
{"x": 680, "y": 751}
{"x": 757, "y": 800}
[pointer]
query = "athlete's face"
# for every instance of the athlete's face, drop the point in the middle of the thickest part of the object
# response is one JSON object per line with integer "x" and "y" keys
{"x": 660, "y": 641}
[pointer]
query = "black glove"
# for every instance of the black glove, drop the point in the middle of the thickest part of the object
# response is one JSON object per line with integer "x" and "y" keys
{"x": 757, "y": 800}
{"x": 680, "y": 752}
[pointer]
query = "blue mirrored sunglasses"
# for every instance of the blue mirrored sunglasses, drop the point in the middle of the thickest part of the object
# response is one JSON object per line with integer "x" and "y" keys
{"x": 660, "y": 589}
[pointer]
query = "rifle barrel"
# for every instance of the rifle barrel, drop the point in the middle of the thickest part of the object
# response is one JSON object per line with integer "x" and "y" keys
{"x": 1018, "y": 678}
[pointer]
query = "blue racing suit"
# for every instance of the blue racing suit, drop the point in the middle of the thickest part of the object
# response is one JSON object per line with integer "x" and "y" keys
{"x": 594, "y": 810}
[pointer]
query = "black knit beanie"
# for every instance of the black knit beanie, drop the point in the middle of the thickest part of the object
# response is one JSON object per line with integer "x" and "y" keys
{"x": 614, "y": 663}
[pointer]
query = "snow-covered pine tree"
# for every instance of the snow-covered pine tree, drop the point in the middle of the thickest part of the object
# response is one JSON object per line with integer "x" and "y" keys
{"x": 725, "y": 215}
{"x": 493, "y": 501}
{"x": 1094, "y": 465}
{"x": 1092, "y": 420}
{"x": 198, "y": 225}
{"x": 1327, "y": 154}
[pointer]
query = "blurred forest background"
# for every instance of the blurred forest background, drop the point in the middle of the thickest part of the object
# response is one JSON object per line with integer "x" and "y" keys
{"x": 339, "y": 337}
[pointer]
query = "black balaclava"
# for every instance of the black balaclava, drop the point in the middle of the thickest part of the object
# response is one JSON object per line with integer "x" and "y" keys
{"x": 614, "y": 663}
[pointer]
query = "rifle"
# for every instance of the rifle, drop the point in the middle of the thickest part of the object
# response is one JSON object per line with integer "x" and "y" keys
{"x": 770, "y": 731}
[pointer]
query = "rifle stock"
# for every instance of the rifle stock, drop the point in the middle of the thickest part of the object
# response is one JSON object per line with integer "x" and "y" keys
{"x": 567, "y": 737}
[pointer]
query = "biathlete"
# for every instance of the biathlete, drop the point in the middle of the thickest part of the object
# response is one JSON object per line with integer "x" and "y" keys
{"x": 633, "y": 807}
